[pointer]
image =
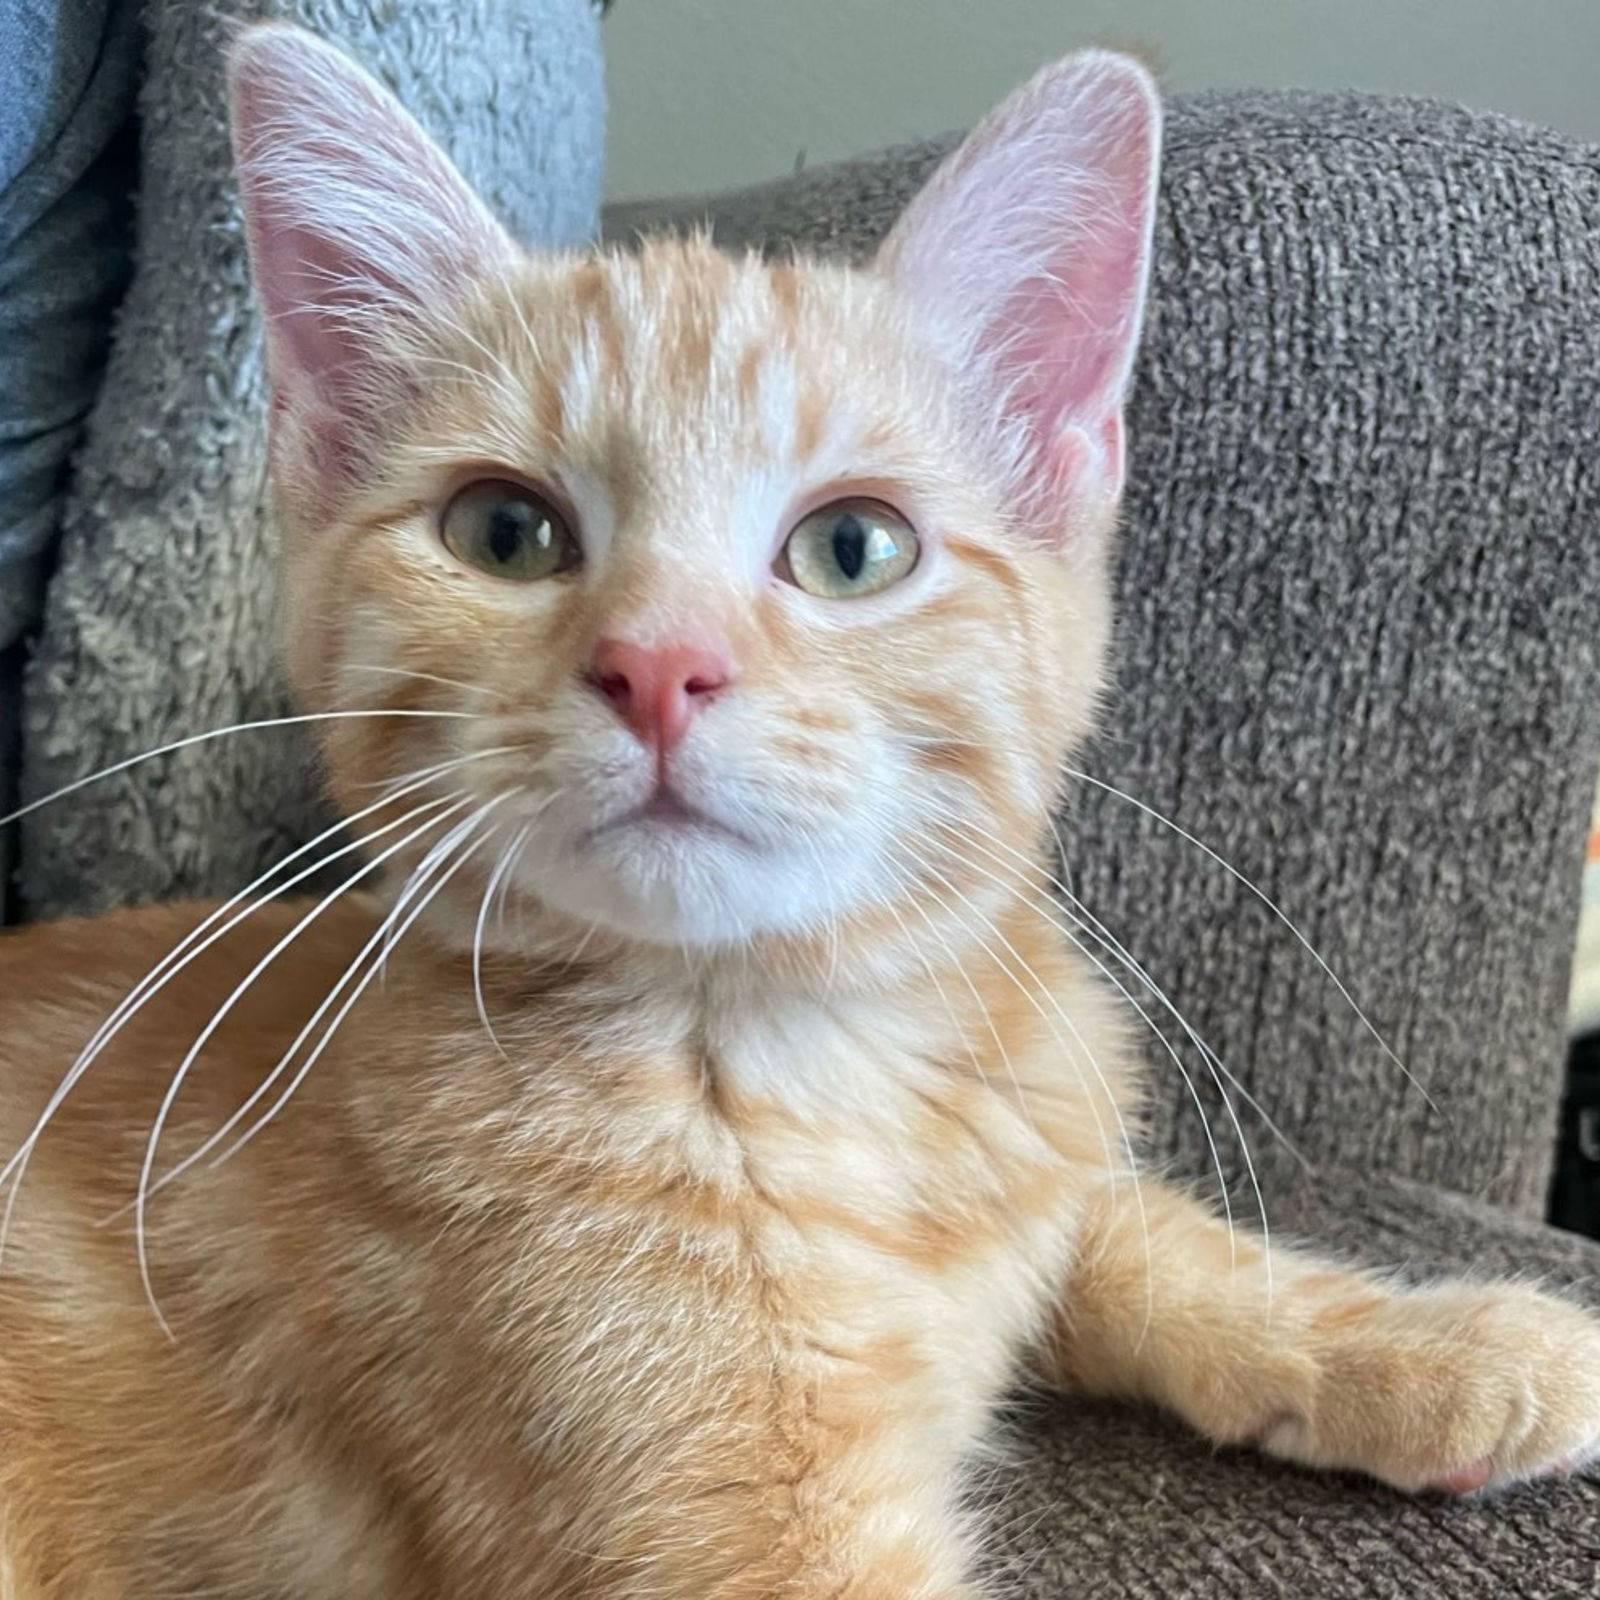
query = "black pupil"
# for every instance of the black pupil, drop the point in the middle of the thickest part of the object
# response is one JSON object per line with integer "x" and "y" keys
{"x": 513, "y": 526}
{"x": 850, "y": 545}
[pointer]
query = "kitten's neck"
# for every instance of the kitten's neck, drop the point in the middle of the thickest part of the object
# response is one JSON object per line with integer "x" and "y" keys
{"x": 792, "y": 1023}
{"x": 892, "y": 953}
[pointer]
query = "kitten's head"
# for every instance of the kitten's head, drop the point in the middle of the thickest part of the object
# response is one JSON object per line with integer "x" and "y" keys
{"x": 760, "y": 595}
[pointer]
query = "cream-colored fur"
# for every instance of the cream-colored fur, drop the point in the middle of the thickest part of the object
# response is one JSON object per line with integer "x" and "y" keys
{"x": 653, "y": 1186}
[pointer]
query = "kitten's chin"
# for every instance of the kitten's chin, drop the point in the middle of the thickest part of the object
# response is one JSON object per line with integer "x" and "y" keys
{"x": 694, "y": 883}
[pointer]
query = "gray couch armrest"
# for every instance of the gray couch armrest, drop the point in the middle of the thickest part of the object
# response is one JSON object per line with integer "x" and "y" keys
{"x": 1360, "y": 578}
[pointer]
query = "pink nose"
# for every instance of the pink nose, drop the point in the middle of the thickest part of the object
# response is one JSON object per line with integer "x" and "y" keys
{"x": 658, "y": 691}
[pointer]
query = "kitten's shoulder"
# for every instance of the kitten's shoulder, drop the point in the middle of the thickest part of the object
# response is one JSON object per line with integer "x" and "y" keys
{"x": 172, "y": 919}
{"x": 104, "y": 956}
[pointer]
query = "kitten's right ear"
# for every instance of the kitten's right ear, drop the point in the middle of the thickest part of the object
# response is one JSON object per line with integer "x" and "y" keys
{"x": 356, "y": 222}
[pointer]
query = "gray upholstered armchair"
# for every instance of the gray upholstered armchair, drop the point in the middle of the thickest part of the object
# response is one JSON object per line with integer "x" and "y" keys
{"x": 1359, "y": 656}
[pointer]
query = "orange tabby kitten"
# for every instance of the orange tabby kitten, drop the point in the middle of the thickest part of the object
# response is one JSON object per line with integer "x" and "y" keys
{"x": 654, "y": 1190}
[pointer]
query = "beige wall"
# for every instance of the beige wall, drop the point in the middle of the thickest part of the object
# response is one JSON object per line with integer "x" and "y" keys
{"x": 707, "y": 93}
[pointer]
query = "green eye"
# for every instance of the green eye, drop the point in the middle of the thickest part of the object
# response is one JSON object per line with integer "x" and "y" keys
{"x": 508, "y": 531}
{"x": 849, "y": 549}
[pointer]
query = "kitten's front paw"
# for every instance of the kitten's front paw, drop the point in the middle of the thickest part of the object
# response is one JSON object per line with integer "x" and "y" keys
{"x": 1458, "y": 1388}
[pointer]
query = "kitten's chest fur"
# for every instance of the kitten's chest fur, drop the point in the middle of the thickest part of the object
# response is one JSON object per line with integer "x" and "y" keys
{"x": 822, "y": 1170}
{"x": 689, "y": 1242}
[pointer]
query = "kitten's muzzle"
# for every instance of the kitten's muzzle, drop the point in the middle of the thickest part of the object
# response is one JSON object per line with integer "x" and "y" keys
{"x": 667, "y": 813}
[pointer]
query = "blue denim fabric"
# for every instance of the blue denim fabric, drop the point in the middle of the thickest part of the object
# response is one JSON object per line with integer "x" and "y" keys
{"x": 68, "y": 78}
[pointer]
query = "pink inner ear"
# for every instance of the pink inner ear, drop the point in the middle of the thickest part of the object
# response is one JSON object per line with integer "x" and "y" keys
{"x": 1074, "y": 326}
{"x": 1026, "y": 260}
{"x": 358, "y": 225}
{"x": 312, "y": 347}
{"x": 317, "y": 368}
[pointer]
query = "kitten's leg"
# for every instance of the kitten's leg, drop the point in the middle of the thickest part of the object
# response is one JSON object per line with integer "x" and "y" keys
{"x": 860, "y": 1528}
{"x": 1454, "y": 1387}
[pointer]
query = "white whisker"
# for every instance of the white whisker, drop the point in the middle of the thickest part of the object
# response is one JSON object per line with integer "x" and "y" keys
{"x": 188, "y": 949}
{"x": 1084, "y": 918}
{"x": 441, "y": 767}
{"x": 1272, "y": 906}
{"x": 1088, "y": 1054}
{"x": 213, "y": 733}
{"x": 175, "y": 1172}
{"x": 174, "y": 1088}
{"x": 944, "y": 996}
{"x": 442, "y": 851}
{"x": 505, "y": 883}
{"x": 983, "y": 1010}
{"x": 1031, "y": 900}
{"x": 416, "y": 676}
{"x": 933, "y": 735}
{"x": 502, "y": 870}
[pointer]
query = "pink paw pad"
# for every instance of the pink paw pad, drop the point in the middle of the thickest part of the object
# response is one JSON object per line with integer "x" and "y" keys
{"x": 1468, "y": 1480}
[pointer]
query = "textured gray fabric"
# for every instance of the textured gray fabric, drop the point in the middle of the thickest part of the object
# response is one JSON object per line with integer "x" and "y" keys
{"x": 160, "y": 617}
{"x": 1358, "y": 595}
{"x": 1113, "y": 1502}
{"x": 68, "y": 70}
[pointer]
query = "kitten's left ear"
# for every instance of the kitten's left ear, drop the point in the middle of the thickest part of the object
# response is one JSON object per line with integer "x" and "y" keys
{"x": 1025, "y": 261}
